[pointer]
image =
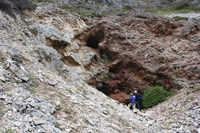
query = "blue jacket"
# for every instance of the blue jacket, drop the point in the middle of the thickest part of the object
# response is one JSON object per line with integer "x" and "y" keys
{"x": 132, "y": 99}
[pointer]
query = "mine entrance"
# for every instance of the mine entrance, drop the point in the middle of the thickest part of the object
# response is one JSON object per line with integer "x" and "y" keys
{"x": 93, "y": 42}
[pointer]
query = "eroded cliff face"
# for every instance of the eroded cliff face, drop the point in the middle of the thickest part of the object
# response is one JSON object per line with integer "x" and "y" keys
{"x": 145, "y": 50}
{"x": 49, "y": 59}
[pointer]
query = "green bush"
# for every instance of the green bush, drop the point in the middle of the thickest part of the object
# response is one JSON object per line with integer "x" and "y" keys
{"x": 105, "y": 76}
{"x": 154, "y": 95}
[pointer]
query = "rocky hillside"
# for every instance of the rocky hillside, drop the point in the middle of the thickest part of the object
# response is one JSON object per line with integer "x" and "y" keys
{"x": 51, "y": 61}
{"x": 44, "y": 63}
{"x": 106, "y": 5}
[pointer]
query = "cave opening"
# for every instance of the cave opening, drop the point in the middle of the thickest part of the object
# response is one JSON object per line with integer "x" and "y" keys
{"x": 93, "y": 42}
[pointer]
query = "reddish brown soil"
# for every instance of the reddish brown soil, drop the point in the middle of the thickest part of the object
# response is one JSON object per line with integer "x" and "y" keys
{"x": 147, "y": 50}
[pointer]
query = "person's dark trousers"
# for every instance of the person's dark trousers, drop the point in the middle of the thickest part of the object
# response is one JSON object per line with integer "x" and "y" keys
{"x": 138, "y": 105}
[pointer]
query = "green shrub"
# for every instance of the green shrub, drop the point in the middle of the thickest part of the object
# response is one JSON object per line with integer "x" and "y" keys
{"x": 154, "y": 95}
{"x": 105, "y": 76}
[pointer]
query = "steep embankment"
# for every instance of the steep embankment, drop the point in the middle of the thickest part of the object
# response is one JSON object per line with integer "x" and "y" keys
{"x": 48, "y": 56}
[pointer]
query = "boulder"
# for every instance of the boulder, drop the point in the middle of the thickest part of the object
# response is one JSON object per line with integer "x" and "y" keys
{"x": 19, "y": 71}
{"x": 49, "y": 57}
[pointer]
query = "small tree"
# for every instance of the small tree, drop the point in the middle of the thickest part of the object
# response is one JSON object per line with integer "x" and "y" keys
{"x": 154, "y": 95}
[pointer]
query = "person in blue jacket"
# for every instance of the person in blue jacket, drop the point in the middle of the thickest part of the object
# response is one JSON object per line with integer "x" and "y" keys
{"x": 132, "y": 101}
{"x": 138, "y": 98}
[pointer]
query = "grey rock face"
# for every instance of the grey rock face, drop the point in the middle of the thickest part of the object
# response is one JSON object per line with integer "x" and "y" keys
{"x": 44, "y": 32}
{"x": 2, "y": 78}
{"x": 50, "y": 58}
{"x": 87, "y": 56}
{"x": 194, "y": 2}
{"x": 190, "y": 27}
{"x": 74, "y": 58}
{"x": 105, "y": 3}
{"x": 2, "y": 93}
{"x": 19, "y": 71}
{"x": 36, "y": 113}
{"x": 13, "y": 51}
{"x": 91, "y": 122}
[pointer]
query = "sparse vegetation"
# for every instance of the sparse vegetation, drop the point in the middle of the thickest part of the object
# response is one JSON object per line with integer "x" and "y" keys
{"x": 188, "y": 99}
{"x": 44, "y": 1}
{"x": 173, "y": 92}
{"x": 32, "y": 90}
{"x": 115, "y": 10}
{"x": 57, "y": 125}
{"x": 107, "y": 111}
{"x": 99, "y": 85}
{"x": 57, "y": 108}
{"x": 180, "y": 8}
{"x": 8, "y": 131}
{"x": 180, "y": 98}
{"x": 154, "y": 95}
{"x": 86, "y": 121}
{"x": 70, "y": 91}
{"x": 178, "y": 18}
{"x": 110, "y": 106}
{"x": 124, "y": 122}
{"x": 197, "y": 88}
{"x": 67, "y": 111}
{"x": 129, "y": 8}
{"x": 33, "y": 81}
{"x": 10, "y": 94}
{"x": 77, "y": 10}
{"x": 105, "y": 76}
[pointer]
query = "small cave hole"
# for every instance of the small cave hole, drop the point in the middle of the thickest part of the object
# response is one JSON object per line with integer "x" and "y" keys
{"x": 93, "y": 42}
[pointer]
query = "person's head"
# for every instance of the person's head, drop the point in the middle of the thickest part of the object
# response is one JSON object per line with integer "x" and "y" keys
{"x": 135, "y": 92}
{"x": 131, "y": 94}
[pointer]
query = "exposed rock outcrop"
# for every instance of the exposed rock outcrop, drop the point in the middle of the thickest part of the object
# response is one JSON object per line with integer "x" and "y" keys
{"x": 149, "y": 50}
{"x": 42, "y": 89}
